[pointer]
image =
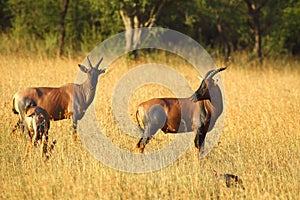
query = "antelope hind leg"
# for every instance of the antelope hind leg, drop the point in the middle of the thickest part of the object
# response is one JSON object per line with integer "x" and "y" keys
{"x": 51, "y": 148}
{"x": 27, "y": 150}
{"x": 18, "y": 127}
{"x": 147, "y": 135}
{"x": 44, "y": 147}
{"x": 141, "y": 145}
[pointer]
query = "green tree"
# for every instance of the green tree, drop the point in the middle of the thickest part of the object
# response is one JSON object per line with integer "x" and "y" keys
{"x": 5, "y": 16}
{"x": 135, "y": 14}
{"x": 64, "y": 26}
{"x": 263, "y": 18}
{"x": 289, "y": 30}
{"x": 61, "y": 39}
{"x": 225, "y": 17}
{"x": 34, "y": 21}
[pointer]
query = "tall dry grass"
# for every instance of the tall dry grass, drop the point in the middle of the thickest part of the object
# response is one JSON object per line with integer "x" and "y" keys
{"x": 260, "y": 140}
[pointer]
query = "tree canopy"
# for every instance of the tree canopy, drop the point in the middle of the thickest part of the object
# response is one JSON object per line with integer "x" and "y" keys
{"x": 262, "y": 28}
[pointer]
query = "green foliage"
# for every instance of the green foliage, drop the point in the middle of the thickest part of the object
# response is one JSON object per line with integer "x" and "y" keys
{"x": 34, "y": 17}
{"x": 5, "y": 16}
{"x": 291, "y": 27}
{"x": 35, "y": 25}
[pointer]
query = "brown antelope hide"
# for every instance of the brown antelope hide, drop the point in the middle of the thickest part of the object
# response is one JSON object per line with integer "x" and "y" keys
{"x": 68, "y": 101}
{"x": 197, "y": 113}
{"x": 37, "y": 124}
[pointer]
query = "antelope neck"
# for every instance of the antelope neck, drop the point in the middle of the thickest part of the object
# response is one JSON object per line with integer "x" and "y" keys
{"x": 88, "y": 91}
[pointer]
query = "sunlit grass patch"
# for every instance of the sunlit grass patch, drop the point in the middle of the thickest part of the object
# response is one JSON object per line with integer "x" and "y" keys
{"x": 260, "y": 140}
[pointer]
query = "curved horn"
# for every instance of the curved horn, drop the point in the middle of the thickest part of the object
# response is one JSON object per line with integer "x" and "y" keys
{"x": 88, "y": 59}
{"x": 214, "y": 72}
{"x": 99, "y": 63}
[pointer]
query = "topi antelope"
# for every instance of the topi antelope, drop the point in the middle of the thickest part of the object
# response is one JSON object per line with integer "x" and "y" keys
{"x": 68, "y": 101}
{"x": 36, "y": 123}
{"x": 197, "y": 113}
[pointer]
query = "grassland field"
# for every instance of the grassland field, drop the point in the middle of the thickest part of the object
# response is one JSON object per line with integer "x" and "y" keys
{"x": 260, "y": 139}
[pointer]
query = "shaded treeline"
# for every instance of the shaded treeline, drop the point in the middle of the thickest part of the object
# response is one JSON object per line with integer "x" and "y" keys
{"x": 66, "y": 27}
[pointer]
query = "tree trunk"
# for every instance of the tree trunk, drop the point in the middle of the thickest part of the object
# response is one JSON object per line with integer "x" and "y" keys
{"x": 255, "y": 11}
{"x": 128, "y": 28}
{"x": 257, "y": 36}
{"x": 133, "y": 25}
{"x": 61, "y": 39}
{"x": 131, "y": 38}
{"x": 227, "y": 49}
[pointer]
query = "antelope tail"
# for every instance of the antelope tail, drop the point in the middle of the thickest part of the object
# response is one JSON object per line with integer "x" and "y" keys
{"x": 138, "y": 116}
{"x": 13, "y": 107}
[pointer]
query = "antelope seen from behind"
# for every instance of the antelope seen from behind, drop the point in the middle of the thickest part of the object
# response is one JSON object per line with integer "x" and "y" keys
{"x": 197, "y": 113}
{"x": 36, "y": 122}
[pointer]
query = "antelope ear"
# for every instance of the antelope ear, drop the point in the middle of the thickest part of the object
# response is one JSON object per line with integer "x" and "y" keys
{"x": 203, "y": 87}
{"x": 216, "y": 81}
{"x": 200, "y": 78}
{"x": 194, "y": 98}
{"x": 83, "y": 68}
{"x": 103, "y": 70}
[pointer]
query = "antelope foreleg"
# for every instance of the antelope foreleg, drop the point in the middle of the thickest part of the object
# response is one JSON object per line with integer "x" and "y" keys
{"x": 74, "y": 130}
{"x": 200, "y": 139}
